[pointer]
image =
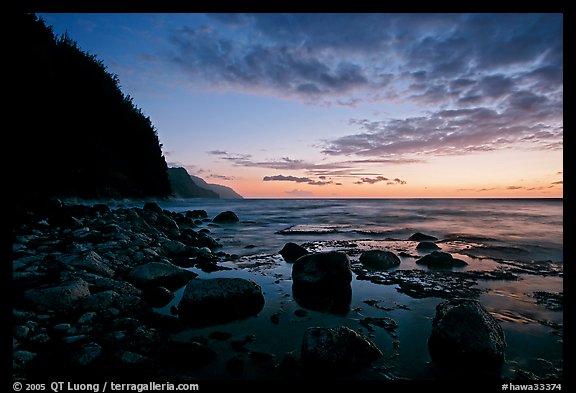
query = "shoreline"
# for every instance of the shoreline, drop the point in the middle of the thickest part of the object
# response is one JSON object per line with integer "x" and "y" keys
{"x": 107, "y": 244}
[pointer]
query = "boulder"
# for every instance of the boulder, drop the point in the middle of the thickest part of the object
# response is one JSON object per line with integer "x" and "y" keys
{"x": 441, "y": 260}
{"x": 427, "y": 246}
{"x": 292, "y": 251}
{"x": 330, "y": 268}
{"x": 464, "y": 333}
{"x": 156, "y": 274}
{"x": 62, "y": 297}
{"x": 226, "y": 217}
{"x": 336, "y": 349}
{"x": 321, "y": 281}
{"x": 420, "y": 237}
{"x": 219, "y": 300}
{"x": 157, "y": 296}
{"x": 89, "y": 261}
{"x": 379, "y": 260}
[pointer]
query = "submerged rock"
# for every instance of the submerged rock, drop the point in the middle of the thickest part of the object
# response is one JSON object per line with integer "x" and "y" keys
{"x": 441, "y": 260}
{"x": 219, "y": 300}
{"x": 226, "y": 217}
{"x": 336, "y": 349}
{"x": 292, "y": 251}
{"x": 464, "y": 333}
{"x": 379, "y": 260}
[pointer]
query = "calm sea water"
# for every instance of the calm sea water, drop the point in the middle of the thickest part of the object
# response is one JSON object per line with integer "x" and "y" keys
{"x": 499, "y": 230}
{"x": 531, "y": 225}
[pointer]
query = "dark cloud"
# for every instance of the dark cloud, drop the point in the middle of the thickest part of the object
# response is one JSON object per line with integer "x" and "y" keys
{"x": 287, "y": 178}
{"x": 331, "y": 56}
{"x": 307, "y": 180}
{"x": 389, "y": 182}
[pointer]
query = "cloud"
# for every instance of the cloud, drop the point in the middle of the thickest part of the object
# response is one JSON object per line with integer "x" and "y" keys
{"x": 389, "y": 182}
{"x": 312, "y": 182}
{"x": 287, "y": 178}
{"x": 344, "y": 58}
{"x": 523, "y": 117}
{"x": 299, "y": 193}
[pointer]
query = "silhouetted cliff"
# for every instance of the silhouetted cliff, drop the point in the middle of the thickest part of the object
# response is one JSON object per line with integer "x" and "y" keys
{"x": 184, "y": 187}
{"x": 77, "y": 134}
{"x": 223, "y": 191}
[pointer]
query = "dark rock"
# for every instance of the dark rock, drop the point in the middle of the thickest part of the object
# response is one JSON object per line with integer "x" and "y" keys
{"x": 106, "y": 300}
{"x": 261, "y": 357}
{"x": 440, "y": 259}
{"x": 336, "y": 349}
{"x": 427, "y": 246}
{"x": 61, "y": 297}
{"x": 190, "y": 355}
{"x": 420, "y": 237}
{"x": 159, "y": 274}
{"x": 292, "y": 251}
{"x": 379, "y": 260}
{"x": 321, "y": 281}
{"x": 89, "y": 261}
{"x": 196, "y": 214}
{"x": 464, "y": 333}
{"x": 275, "y": 318}
{"x": 331, "y": 268}
{"x": 301, "y": 313}
{"x": 21, "y": 359}
{"x": 218, "y": 300}
{"x": 226, "y": 217}
{"x": 87, "y": 355}
{"x": 153, "y": 207}
{"x": 157, "y": 296}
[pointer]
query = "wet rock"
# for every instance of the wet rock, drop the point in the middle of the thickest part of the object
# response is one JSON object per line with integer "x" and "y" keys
{"x": 89, "y": 261}
{"x": 464, "y": 333}
{"x": 330, "y": 267}
{"x": 108, "y": 301}
{"x": 292, "y": 251}
{"x": 159, "y": 274}
{"x": 187, "y": 354}
{"x": 21, "y": 359}
{"x": 226, "y": 217}
{"x": 440, "y": 259}
{"x": 218, "y": 300}
{"x": 152, "y": 207}
{"x": 321, "y": 281}
{"x": 336, "y": 349}
{"x": 420, "y": 237}
{"x": 196, "y": 214}
{"x": 87, "y": 355}
{"x": 427, "y": 246}
{"x": 157, "y": 296}
{"x": 60, "y": 297}
{"x": 379, "y": 260}
{"x": 551, "y": 300}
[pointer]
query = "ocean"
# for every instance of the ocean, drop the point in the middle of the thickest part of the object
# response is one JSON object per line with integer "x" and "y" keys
{"x": 519, "y": 237}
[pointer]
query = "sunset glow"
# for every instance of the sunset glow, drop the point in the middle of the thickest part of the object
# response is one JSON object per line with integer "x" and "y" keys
{"x": 345, "y": 105}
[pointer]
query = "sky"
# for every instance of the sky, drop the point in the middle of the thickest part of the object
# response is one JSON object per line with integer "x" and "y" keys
{"x": 345, "y": 105}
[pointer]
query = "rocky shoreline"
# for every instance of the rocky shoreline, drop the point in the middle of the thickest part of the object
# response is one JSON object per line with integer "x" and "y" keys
{"x": 87, "y": 280}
